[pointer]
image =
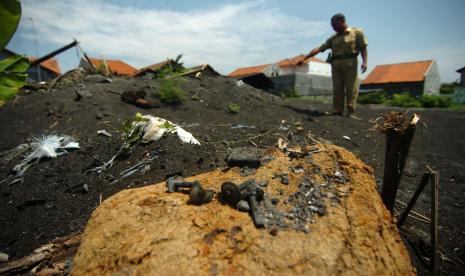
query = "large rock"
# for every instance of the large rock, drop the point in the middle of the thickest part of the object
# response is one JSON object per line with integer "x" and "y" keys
{"x": 147, "y": 231}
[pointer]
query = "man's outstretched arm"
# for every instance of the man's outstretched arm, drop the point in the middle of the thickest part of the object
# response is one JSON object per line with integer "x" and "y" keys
{"x": 313, "y": 52}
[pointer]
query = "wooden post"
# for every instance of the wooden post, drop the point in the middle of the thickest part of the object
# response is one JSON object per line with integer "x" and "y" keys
{"x": 434, "y": 221}
{"x": 397, "y": 148}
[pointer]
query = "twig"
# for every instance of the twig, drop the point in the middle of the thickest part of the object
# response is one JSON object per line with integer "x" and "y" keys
{"x": 414, "y": 212}
{"x": 460, "y": 261}
{"x": 253, "y": 143}
{"x": 419, "y": 219}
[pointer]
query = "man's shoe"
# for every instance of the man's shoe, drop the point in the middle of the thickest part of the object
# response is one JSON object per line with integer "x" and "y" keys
{"x": 355, "y": 117}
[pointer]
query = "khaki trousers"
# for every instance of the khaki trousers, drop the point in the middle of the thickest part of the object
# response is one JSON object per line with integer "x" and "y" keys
{"x": 345, "y": 83}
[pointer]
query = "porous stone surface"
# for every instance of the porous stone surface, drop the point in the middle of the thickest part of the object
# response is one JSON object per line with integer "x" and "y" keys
{"x": 343, "y": 228}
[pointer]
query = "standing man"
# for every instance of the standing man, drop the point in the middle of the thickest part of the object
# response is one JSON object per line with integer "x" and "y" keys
{"x": 345, "y": 45}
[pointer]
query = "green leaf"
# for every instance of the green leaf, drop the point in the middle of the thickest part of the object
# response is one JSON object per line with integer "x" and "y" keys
{"x": 7, "y": 93}
{"x": 14, "y": 80}
{"x": 10, "y": 14}
{"x": 168, "y": 125}
{"x": 16, "y": 63}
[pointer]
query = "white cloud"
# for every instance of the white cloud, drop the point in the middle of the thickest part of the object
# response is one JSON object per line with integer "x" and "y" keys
{"x": 228, "y": 36}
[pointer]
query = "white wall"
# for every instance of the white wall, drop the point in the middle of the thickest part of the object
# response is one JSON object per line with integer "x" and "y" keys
{"x": 318, "y": 68}
{"x": 432, "y": 82}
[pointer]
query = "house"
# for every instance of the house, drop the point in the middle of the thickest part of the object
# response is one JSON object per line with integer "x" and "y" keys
{"x": 307, "y": 76}
{"x": 255, "y": 76}
{"x": 115, "y": 66}
{"x": 287, "y": 66}
{"x": 416, "y": 78}
{"x": 461, "y": 71}
{"x": 459, "y": 93}
{"x": 252, "y": 70}
{"x": 149, "y": 72}
{"x": 299, "y": 64}
{"x": 46, "y": 70}
{"x": 201, "y": 70}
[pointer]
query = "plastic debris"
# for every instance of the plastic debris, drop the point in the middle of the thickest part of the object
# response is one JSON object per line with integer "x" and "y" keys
{"x": 49, "y": 146}
{"x": 104, "y": 133}
{"x": 346, "y": 137}
{"x": 241, "y": 126}
{"x": 155, "y": 127}
{"x": 240, "y": 83}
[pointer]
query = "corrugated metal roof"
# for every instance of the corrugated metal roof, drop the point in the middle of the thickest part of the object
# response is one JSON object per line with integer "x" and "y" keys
{"x": 399, "y": 72}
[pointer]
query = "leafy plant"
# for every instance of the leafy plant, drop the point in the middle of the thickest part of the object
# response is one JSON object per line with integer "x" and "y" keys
{"x": 173, "y": 68}
{"x": 10, "y": 14}
{"x": 435, "y": 101}
{"x": 447, "y": 88}
{"x": 291, "y": 93}
{"x": 195, "y": 98}
{"x": 403, "y": 100}
{"x": 171, "y": 92}
{"x": 378, "y": 97}
{"x": 233, "y": 108}
{"x": 12, "y": 76}
{"x": 103, "y": 69}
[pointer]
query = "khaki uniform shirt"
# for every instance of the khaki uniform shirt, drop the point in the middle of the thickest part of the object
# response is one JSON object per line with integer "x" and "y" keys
{"x": 346, "y": 44}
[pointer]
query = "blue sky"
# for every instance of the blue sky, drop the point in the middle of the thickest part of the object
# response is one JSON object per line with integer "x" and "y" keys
{"x": 231, "y": 34}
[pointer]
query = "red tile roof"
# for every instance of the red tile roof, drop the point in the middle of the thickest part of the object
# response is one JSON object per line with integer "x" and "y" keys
{"x": 244, "y": 71}
{"x": 287, "y": 62}
{"x": 399, "y": 72}
{"x": 297, "y": 60}
{"x": 50, "y": 64}
{"x": 116, "y": 66}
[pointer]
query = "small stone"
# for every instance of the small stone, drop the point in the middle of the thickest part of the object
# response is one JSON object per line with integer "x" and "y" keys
{"x": 49, "y": 206}
{"x": 274, "y": 231}
{"x": 99, "y": 116}
{"x": 4, "y": 257}
{"x": 85, "y": 188}
{"x": 321, "y": 211}
{"x": 313, "y": 208}
{"x": 243, "y": 206}
{"x": 330, "y": 195}
{"x": 245, "y": 156}
{"x": 274, "y": 201}
{"x": 263, "y": 183}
